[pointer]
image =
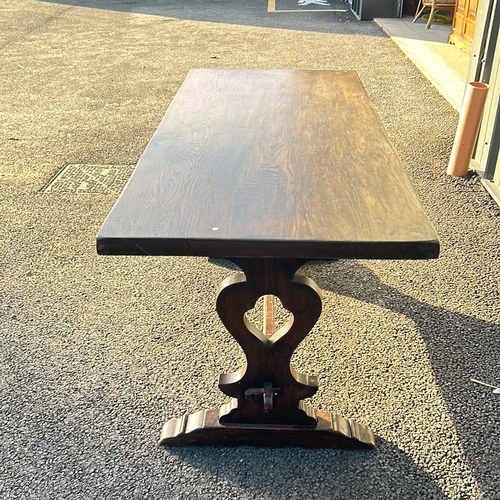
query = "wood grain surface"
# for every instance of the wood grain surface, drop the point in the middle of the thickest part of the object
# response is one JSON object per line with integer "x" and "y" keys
{"x": 270, "y": 163}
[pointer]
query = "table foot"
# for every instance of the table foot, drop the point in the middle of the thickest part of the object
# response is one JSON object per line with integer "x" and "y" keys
{"x": 205, "y": 428}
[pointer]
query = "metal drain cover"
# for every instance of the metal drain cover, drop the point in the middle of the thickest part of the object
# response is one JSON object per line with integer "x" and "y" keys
{"x": 103, "y": 179}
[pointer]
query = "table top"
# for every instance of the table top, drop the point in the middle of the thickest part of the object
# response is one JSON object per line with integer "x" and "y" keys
{"x": 270, "y": 163}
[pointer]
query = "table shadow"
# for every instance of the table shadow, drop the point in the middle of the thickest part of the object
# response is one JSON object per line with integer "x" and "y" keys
{"x": 459, "y": 348}
{"x": 284, "y": 473}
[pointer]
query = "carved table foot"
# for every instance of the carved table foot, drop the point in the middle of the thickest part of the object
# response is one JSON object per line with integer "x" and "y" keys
{"x": 205, "y": 428}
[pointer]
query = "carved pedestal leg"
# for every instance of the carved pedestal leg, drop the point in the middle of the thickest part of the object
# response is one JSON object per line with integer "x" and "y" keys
{"x": 268, "y": 359}
{"x": 267, "y": 408}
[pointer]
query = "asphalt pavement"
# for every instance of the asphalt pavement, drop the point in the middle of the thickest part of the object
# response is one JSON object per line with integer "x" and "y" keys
{"x": 96, "y": 353}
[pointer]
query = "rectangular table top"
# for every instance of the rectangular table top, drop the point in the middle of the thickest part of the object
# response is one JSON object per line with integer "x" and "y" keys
{"x": 270, "y": 163}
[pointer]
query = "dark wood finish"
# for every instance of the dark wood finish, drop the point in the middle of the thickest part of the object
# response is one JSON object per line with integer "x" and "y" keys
{"x": 269, "y": 169}
{"x": 267, "y": 407}
{"x": 270, "y": 163}
{"x": 205, "y": 428}
{"x": 268, "y": 359}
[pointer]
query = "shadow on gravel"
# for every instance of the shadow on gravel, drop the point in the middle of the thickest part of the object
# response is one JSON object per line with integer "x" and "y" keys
{"x": 332, "y": 18}
{"x": 459, "y": 347}
{"x": 286, "y": 473}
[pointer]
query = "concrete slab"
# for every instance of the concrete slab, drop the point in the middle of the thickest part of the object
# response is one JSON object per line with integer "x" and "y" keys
{"x": 442, "y": 63}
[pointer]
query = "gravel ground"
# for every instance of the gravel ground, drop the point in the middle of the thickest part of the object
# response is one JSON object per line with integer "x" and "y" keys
{"x": 97, "y": 352}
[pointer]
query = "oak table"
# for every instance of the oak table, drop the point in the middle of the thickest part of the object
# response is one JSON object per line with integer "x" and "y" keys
{"x": 269, "y": 169}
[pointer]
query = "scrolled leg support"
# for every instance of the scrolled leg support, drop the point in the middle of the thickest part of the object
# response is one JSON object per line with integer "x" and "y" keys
{"x": 267, "y": 407}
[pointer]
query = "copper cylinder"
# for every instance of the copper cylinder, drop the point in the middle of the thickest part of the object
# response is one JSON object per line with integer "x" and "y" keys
{"x": 467, "y": 129}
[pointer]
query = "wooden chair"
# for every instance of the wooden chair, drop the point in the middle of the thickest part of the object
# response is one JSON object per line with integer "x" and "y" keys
{"x": 435, "y": 6}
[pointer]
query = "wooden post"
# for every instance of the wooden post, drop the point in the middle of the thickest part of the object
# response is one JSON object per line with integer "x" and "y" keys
{"x": 269, "y": 315}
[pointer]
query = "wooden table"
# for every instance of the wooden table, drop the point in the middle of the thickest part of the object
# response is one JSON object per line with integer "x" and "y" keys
{"x": 269, "y": 169}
